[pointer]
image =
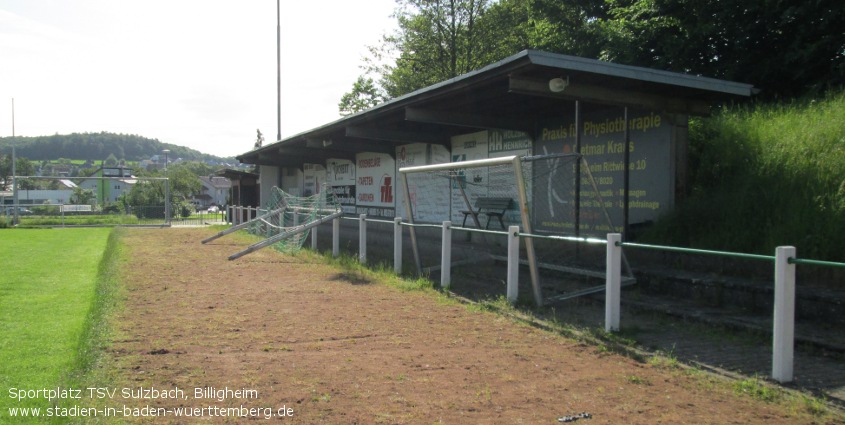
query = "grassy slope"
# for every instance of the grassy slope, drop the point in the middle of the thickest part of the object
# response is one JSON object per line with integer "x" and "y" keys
{"x": 765, "y": 176}
{"x": 46, "y": 292}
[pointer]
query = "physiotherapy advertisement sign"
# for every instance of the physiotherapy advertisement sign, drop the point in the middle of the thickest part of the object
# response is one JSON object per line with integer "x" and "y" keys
{"x": 652, "y": 172}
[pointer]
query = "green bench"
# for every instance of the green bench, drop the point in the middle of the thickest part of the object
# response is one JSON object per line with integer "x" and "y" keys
{"x": 491, "y": 207}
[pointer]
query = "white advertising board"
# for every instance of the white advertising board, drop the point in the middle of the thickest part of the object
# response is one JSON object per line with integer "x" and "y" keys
{"x": 470, "y": 184}
{"x": 314, "y": 177}
{"x": 375, "y": 187}
{"x": 340, "y": 175}
{"x": 430, "y": 198}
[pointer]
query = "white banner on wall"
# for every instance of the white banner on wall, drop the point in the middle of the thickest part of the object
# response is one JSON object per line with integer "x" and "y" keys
{"x": 507, "y": 143}
{"x": 314, "y": 177}
{"x": 375, "y": 186}
{"x": 472, "y": 182}
{"x": 429, "y": 194}
{"x": 340, "y": 175}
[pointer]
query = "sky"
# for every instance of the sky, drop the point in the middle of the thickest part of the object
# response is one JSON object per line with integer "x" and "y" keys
{"x": 195, "y": 73}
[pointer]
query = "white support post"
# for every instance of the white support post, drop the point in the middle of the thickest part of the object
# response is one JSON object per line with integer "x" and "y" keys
{"x": 336, "y": 237}
{"x": 613, "y": 282}
{"x": 362, "y": 239}
{"x": 446, "y": 256}
{"x": 513, "y": 264}
{"x": 240, "y": 215}
{"x": 397, "y": 245}
{"x": 783, "y": 342}
{"x": 314, "y": 238}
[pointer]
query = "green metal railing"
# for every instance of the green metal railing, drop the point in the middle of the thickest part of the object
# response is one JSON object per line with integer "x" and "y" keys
{"x": 697, "y": 251}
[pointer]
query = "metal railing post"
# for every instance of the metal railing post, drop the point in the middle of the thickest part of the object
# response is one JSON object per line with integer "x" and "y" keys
{"x": 613, "y": 282}
{"x": 362, "y": 239}
{"x": 397, "y": 245}
{"x": 783, "y": 341}
{"x": 513, "y": 264}
{"x": 336, "y": 237}
{"x": 446, "y": 256}
{"x": 314, "y": 238}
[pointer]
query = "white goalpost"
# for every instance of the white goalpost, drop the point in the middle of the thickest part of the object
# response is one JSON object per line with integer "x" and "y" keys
{"x": 457, "y": 175}
{"x": 552, "y": 198}
{"x": 286, "y": 221}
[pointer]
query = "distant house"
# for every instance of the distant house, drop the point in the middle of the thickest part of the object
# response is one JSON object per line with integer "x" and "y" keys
{"x": 215, "y": 191}
{"x": 109, "y": 190}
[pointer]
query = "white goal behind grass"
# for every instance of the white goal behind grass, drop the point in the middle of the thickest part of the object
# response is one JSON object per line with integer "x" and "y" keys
{"x": 286, "y": 221}
{"x": 552, "y": 196}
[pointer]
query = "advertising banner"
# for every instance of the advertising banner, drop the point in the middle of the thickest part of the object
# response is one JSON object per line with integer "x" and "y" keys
{"x": 652, "y": 168}
{"x": 340, "y": 175}
{"x": 468, "y": 184}
{"x": 429, "y": 192}
{"x": 314, "y": 177}
{"x": 374, "y": 187}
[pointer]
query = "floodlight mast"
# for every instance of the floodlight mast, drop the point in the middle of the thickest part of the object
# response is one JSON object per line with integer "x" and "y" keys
{"x": 14, "y": 171}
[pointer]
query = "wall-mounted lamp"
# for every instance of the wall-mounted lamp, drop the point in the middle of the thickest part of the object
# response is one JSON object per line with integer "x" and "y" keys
{"x": 327, "y": 143}
{"x": 557, "y": 85}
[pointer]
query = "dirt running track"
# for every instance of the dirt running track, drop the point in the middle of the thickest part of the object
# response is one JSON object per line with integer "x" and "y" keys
{"x": 339, "y": 350}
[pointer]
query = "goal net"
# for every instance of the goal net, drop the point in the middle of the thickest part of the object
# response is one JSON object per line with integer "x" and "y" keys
{"x": 552, "y": 196}
{"x": 286, "y": 214}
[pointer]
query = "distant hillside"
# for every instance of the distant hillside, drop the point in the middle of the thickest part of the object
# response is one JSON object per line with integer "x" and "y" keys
{"x": 98, "y": 146}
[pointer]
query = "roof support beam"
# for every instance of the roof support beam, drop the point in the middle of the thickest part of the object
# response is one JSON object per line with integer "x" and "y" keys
{"x": 609, "y": 96}
{"x": 317, "y": 153}
{"x": 433, "y": 116}
{"x": 397, "y": 136}
{"x": 281, "y": 161}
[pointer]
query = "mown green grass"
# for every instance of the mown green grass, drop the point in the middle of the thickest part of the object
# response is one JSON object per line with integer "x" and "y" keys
{"x": 763, "y": 176}
{"x": 47, "y": 292}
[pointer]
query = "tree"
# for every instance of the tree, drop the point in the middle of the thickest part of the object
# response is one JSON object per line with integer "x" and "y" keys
{"x": 364, "y": 95}
{"x": 183, "y": 182}
{"x": 785, "y": 47}
{"x": 552, "y": 25}
{"x": 23, "y": 167}
{"x": 82, "y": 196}
{"x": 436, "y": 40}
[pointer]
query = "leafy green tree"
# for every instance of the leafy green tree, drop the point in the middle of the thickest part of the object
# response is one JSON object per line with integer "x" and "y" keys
{"x": 23, "y": 167}
{"x": 551, "y": 25}
{"x": 183, "y": 182}
{"x": 784, "y": 47}
{"x": 436, "y": 40}
{"x": 364, "y": 95}
{"x": 82, "y": 196}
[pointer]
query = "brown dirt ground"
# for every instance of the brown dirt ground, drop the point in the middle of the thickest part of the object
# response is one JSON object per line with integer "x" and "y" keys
{"x": 339, "y": 349}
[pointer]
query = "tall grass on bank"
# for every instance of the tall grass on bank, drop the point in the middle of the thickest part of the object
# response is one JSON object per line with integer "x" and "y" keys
{"x": 763, "y": 176}
{"x": 46, "y": 292}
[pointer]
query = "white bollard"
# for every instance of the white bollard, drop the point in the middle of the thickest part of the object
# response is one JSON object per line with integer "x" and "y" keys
{"x": 397, "y": 245}
{"x": 613, "y": 283}
{"x": 362, "y": 239}
{"x": 513, "y": 264}
{"x": 336, "y": 237}
{"x": 783, "y": 341}
{"x": 446, "y": 256}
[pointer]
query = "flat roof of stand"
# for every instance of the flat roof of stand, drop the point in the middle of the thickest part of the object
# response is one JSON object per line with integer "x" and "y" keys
{"x": 512, "y": 94}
